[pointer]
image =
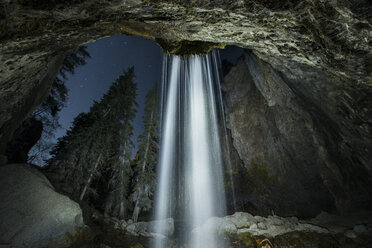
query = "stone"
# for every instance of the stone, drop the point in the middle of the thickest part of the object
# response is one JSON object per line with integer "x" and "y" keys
{"x": 149, "y": 228}
{"x": 253, "y": 227}
{"x": 259, "y": 218}
{"x": 137, "y": 227}
{"x": 40, "y": 81}
{"x": 302, "y": 233}
{"x": 216, "y": 225}
{"x": 167, "y": 223}
{"x": 261, "y": 226}
{"x": 32, "y": 214}
{"x": 350, "y": 234}
{"x": 293, "y": 220}
{"x": 270, "y": 226}
{"x": 123, "y": 223}
{"x": 306, "y": 239}
{"x": 136, "y": 245}
{"x": 245, "y": 230}
{"x": 358, "y": 229}
{"x": 241, "y": 219}
{"x": 276, "y": 221}
{"x": 269, "y": 112}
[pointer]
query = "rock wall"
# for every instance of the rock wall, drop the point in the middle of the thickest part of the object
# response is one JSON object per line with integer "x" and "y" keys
{"x": 311, "y": 77}
{"x": 24, "y": 138}
{"x": 244, "y": 230}
{"x": 23, "y": 91}
{"x": 332, "y": 36}
{"x": 291, "y": 143}
{"x": 32, "y": 214}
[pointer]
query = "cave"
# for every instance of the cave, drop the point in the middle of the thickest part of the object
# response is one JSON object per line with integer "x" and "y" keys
{"x": 296, "y": 109}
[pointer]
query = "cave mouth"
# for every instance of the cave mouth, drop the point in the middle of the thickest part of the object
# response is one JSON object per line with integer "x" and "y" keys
{"x": 101, "y": 60}
{"x": 259, "y": 190}
{"x": 85, "y": 87}
{"x": 298, "y": 107}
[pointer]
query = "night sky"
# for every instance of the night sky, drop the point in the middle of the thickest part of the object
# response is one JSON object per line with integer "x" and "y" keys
{"x": 109, "y": 56}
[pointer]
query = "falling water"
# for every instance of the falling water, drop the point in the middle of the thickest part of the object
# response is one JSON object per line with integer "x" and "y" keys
{"x": 190, "y": 174}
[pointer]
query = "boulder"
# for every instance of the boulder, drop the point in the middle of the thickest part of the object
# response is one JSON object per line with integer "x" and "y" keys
{"x": 350, "y": 234}
{"x": 32, "y": 214}
{"x": 270, "y": 226}
{"x": 168, "y": 225}
{"x": 241, "y": 219}
{"x": 261, "y": 226}
{"x": 138, "y": 227}
{"x": 148, "y": 228}
{"x": 219, "y": 225}
{"x": 360, "y": 229}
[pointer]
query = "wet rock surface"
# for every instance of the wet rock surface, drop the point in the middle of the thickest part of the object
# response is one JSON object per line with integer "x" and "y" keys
{"x": 293, "y": 141}
{"x": 146, "y": 229}
{"x": 259, "y": 226}
{"x": 32, "y": 214}
{"x": 243, "y": 230}
{"x": 117, "y": 233}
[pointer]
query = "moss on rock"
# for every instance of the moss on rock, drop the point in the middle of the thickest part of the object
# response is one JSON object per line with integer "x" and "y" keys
{"x": 259, "y": 178}
{"x": 136, "y": 245}
{"x": 248, "y": 240}
{"x": 185, "y": 47}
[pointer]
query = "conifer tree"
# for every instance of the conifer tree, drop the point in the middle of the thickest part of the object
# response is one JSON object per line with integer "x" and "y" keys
{"x": 117, "y": 203}
{"x": 95, "y": 143}
{"x": 74, "y": 160}
{"x": 144, "y": 183}
{"x": 48, "y": 111}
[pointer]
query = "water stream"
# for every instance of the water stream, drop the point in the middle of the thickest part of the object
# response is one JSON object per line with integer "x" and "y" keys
{"x": 191, "y": 168}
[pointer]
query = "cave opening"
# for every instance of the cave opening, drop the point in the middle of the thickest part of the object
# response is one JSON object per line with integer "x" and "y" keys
{"x": 87, "y": 74}
{"x": 58, "y": 137}
{"x": 73, "y": 140}
{"x": 297, "y": 101}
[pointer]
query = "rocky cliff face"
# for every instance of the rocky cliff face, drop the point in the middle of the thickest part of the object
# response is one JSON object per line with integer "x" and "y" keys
{"x": 296, "y": 157}
{"x": 332, "y": 36}
{"x": 311, "y": 69}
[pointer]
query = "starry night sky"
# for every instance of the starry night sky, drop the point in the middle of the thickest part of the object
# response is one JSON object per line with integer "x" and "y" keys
{"x": 109, "y": 56}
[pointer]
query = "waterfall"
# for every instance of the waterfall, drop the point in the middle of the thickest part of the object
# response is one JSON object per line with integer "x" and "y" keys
{"x": 191, "y": 169}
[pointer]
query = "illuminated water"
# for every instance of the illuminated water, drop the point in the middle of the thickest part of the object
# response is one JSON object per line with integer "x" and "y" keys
{"x": 190, "y": 174}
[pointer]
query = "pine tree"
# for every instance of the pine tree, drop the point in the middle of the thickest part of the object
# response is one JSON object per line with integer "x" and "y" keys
{"x": 47, "y": 112}
{"x": 70, "y": 165}
{"x": 97, "y": 143}
{"x": 144, "y": 183}
{"x": 117, "y": 203}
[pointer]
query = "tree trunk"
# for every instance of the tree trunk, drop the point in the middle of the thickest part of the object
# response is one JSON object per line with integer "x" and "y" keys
{"x": 121, "y": 193}
{"x": 90, "y": 178}
{"x": 137, "y": 208}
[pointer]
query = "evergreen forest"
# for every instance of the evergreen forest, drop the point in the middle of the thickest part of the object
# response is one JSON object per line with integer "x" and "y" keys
{"x": 95, "y": 162}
